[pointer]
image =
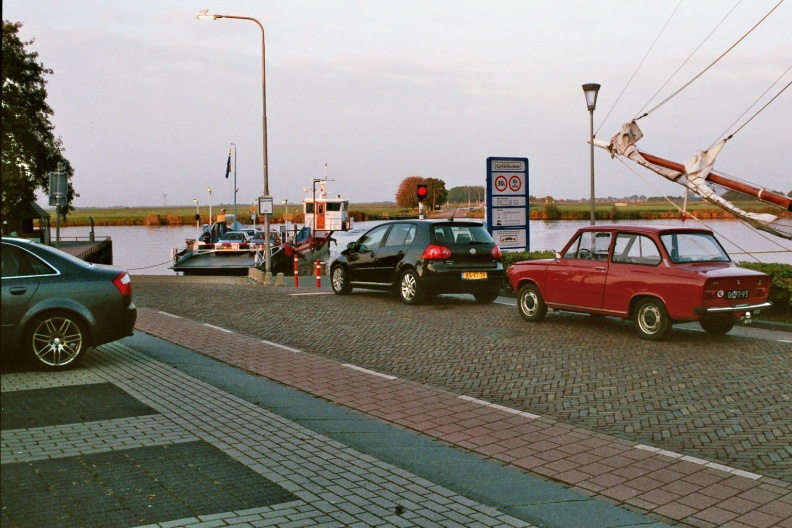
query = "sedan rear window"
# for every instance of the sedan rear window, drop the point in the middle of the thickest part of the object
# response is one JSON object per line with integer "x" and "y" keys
{"x": 693, "y": 247}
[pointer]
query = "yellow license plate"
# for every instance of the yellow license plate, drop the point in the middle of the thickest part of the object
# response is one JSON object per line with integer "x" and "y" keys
{"x": 474, "y": 275}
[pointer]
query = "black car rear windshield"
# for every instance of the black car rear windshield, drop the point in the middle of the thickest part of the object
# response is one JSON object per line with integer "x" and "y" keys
{"x": 461, "y": 234}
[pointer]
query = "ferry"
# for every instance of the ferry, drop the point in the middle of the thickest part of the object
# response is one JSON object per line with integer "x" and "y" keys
{"x": 216, "y": 252}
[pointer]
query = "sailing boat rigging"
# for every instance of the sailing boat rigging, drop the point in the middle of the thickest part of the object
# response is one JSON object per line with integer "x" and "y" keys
{"x": 696, "y": 173}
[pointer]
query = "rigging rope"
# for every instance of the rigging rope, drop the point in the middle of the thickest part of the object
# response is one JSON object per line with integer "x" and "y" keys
{"x": 758, "y": 111}
{"x": 685, "y": 212}
{"x": 664, "y": 101}
{"x": 687, "y": 59}
{"x": 639, "y": 67}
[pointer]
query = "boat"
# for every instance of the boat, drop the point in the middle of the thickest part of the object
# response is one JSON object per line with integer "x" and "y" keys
{"x": 697, "y": 174}
{"x": 209, "y": 254}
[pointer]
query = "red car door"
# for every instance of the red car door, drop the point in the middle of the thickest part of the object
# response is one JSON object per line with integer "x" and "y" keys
{"x": 578, "y": 278}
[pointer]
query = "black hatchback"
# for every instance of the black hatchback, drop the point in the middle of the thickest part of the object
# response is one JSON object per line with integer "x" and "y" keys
{"x": 419, "y": 258}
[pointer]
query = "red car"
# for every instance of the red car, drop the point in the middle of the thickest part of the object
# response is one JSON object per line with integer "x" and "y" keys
{"x": 655, "y": 275}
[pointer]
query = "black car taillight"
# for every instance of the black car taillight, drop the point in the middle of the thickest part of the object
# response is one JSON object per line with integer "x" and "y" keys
{"x": 495, "y": 252}
{"x": 124, "y": 283}
{"x": 435, "y": 252}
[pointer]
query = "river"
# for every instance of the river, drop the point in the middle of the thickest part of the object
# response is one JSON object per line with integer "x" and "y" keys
{"x": 146, "y": 250}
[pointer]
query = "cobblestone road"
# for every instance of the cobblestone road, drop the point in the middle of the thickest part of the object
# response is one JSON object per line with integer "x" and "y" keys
{"x": 725, "y": 399}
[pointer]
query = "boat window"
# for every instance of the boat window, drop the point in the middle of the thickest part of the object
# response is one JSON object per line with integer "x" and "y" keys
{"x": 333, "y": 206}
{"x": 693, "y": 247}
{"x": 309, "y": 207}
{"x": 401, "y": 235}
{"x": 631, "y": 248}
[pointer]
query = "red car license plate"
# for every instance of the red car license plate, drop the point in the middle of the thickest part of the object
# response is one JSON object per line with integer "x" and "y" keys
{"x": 737, "y": 294}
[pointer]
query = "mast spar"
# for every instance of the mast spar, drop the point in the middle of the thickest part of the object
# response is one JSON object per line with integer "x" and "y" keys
{"x": 696, "y": 174}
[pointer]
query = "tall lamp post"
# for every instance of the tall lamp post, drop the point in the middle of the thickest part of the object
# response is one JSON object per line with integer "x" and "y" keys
{"x": 591, "y": 90}
{"x": 209, "y": 189}
{"x": 235, "y": 185}
{"x": 205, "y": 16}
{"x": 197, "y": 220}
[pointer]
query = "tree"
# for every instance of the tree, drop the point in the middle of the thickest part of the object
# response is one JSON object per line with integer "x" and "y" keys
{"x": 406, "y": 196}
{"x": 30, "y": 150}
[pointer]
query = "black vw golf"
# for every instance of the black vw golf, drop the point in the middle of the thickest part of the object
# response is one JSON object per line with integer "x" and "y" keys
{"x": 417, "y": 258}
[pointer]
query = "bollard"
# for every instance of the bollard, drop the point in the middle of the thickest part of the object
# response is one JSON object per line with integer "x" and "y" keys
{"x": 318, "y": 273}
{"x": 296, "y": 272}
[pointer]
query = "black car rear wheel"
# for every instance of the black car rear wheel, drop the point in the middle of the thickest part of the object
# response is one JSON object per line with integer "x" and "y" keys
{"x": 340, "y": 280}
{"x": 56, "y": 340}
{"x": 487, "y": 296}
{"x": 409, "y": 287}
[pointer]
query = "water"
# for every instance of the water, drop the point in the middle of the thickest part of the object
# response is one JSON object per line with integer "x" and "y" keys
{"x": 146, "y": 250}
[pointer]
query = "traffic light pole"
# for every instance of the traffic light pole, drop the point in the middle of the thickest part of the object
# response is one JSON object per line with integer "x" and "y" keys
{"x": 420, "y": 211}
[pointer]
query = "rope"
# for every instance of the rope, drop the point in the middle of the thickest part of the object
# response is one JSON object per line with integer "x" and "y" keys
{"x": 147, "y": 267}
{"x": 758, "y": 111}
{"x": 687, "y": 59}
{"x": 639, "y": 67}
{"x": 664, "y": 101}
{"x": 686, "y": 213}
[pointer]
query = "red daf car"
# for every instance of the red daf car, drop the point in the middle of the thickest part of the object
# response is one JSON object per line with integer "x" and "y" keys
{"x": 655, "y": 275}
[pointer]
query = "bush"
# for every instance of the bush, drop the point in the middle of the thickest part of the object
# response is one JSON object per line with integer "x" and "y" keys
{"x": 780, "y": 288}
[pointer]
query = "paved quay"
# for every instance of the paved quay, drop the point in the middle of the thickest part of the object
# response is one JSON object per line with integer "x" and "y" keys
{"x": 572, "y": 422}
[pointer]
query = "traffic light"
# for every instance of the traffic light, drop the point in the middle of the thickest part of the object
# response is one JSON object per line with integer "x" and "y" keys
{"x": 422, "y": 191}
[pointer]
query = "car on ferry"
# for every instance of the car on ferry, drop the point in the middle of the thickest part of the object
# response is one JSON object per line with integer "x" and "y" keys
{"x": 421, "y": 258}
{"x": 55, "y": 306}
{"x": 233, "y": 240}
{"x": 656, "y": 276}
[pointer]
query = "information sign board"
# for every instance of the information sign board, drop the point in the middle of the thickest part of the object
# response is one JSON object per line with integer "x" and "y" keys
{"x": 507, "y": 202}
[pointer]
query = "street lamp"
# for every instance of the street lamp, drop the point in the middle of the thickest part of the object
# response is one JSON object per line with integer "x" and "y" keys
{"x": 591, "y": 90}
{"x": 210, "y": 205}
{"x": 197, "y": 220}
{"x": 235, "y": 181}
{"x": 206, "y": 16}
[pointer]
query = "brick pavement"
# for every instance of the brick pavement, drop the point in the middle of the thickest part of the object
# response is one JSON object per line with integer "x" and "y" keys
{"x": 718, "y": 436}
{"x": 203, "y": 451}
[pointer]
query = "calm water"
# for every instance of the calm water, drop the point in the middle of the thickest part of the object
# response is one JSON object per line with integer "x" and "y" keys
{"x": 147, "y": 250}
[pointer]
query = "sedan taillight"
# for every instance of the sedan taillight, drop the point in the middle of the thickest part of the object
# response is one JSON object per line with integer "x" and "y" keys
{"x": 124, "y": 283}
{"x": 434, "y": 252}
{"x": 496, "y": 252}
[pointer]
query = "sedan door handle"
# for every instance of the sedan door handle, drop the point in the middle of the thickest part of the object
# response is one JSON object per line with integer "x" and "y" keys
{"x": 18, "y": 290}
{"x": 600, "y": 268}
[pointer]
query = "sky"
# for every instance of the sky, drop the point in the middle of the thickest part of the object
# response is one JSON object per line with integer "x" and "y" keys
{"x": 148, "y": 99}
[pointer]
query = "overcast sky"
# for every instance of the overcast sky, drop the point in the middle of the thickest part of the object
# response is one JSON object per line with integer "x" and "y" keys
{"x": 148, "y": 99}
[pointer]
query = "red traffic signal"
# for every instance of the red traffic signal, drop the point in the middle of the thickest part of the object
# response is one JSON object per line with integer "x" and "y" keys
{"x": 422, "y": 191}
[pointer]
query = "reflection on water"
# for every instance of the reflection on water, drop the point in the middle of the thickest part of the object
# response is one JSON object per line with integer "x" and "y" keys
{"x": 146, "y": 250}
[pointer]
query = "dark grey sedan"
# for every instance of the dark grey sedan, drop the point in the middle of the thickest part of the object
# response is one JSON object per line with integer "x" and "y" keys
{"x": 55, "y": 306}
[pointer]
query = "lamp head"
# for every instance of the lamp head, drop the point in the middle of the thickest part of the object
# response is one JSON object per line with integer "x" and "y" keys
{"x": 203, "y": 15}
{"x": 591, "y": 90}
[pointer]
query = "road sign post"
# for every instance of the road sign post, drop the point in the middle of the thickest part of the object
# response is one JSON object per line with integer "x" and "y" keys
{"x": 507, "y": 202}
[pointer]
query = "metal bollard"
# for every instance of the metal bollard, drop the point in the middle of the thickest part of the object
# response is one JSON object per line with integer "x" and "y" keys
{"x": 296, "y": 272}
{"x": 318, "y": 273}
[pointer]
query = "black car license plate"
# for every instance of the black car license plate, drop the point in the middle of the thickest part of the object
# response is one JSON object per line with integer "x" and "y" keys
{"x": 737, "y": 294}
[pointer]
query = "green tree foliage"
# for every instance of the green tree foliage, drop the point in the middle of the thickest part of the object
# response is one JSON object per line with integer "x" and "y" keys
{"x": 30, "y": 149}
{"x": 460, "y": 195}
{"x": 406, "y": 196}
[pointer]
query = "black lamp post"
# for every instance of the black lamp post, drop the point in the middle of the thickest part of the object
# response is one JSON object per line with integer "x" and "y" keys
{"x": 591, "y": 90}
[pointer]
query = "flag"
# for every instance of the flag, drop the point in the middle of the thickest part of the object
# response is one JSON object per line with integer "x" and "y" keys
{"x": 228, "y": 164}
